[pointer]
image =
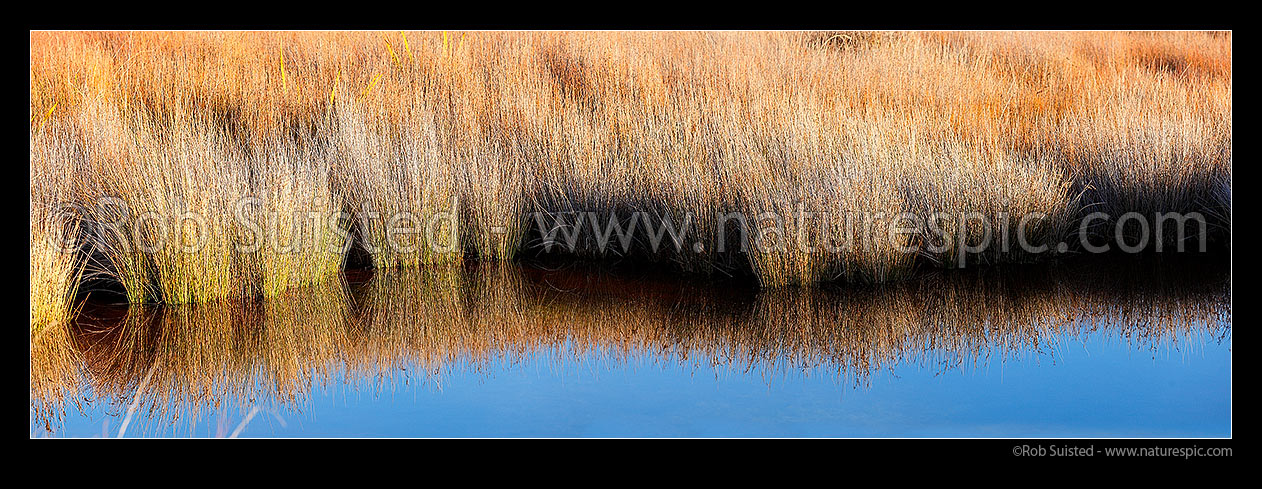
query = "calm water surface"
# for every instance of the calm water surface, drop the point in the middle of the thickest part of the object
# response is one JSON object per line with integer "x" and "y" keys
{"x": 1136, "y": 348}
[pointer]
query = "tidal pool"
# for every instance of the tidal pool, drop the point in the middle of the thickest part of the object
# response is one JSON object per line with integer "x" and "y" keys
{"x": 1112, "y": 347}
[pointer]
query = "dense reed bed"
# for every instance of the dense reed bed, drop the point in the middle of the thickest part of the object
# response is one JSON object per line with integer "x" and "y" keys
{"x": 56, "y": 264}
{"x": 483, "y": 128}
{"x": 177, "y": 362}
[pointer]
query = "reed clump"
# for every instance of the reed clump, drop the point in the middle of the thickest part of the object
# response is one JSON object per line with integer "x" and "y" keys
{"x": 56, "y": 262}
{"x": 470, "y": 133}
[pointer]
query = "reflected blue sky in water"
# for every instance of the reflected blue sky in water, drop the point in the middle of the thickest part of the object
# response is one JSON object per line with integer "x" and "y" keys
{"x": 1079, "y": 387}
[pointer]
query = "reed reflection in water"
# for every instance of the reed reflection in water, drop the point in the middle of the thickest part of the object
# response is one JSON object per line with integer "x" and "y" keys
{"x": 177, "y": 364}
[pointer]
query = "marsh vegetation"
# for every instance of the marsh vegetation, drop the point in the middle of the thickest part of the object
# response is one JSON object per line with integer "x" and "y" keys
{"x": 173, "y": 267}
{"x": 490, "y": 126}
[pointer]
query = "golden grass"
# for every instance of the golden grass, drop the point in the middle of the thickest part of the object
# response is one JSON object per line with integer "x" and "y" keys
{"x": 56, "y": 264}
{"x": 489, "y": 126}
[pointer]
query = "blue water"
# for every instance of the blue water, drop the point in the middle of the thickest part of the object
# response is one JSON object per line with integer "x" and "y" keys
{"x": 1098, "y": 385}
